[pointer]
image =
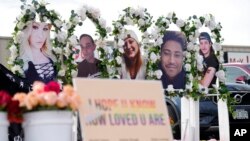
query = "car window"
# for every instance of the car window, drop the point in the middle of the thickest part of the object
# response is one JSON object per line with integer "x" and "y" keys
{"x": 232, "y": 73}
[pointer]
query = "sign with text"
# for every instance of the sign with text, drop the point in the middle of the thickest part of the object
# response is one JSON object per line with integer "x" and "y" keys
{"x": 123, "y": 110}
{"x": 235, "y": 57}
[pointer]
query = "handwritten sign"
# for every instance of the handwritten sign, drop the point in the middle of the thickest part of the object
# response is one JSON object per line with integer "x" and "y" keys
{"x": 123, "y": 110}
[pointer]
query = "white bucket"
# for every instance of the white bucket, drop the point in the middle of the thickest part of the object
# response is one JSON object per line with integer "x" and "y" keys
{"x": 48, "y": 126}
{"x": 4, "y": 124}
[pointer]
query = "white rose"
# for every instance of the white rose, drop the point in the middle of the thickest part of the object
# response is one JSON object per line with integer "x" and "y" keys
{"x": 158, "y": 74}
{"x": 221, "y": 75}
{"x": 67, "y": 51}
{"x": 188, "y": 54}
{"x": 121, "y": 50}
{"x": 108, "y": 29}
{"x": 141, "y": 22}
{"x": 120, "y": 43}
{"x": 73, "y": 40}
{"x": 75, "y": 20}
{"x": 61, "y": 36}
{"x": 13, "y": 49}
{"x": 200, "y": 67}
{"x": 159, "y": 41}
{"x": 57, "y": 50}
{"x": 128, "y": 20}
{"x": 101, "y": 43}
{"x": 153, "y": 57}
{"x": 170, "y": 15}
{"x": 94, "y": 12}
{"x": 61, "y": 72}
{"x": 203, "y": 89}
{"x": 82, "y": 13}
{"x": 189, "y": 86}
{"x": 58, "y": 23}
{"x": 118, "y": 60}
{"x": 221, "y": 59}
{"x": 180, "y": 23}
{"x": 102, "y": 22}
{"x": 197, "y": 23}
{"x": 45, "y": 18}
{"x": 170, "y": 88}
{"x": 66, "y": 26}
{"x": 73, "y": 73}
{"x": 17, "y": 68}
{"x": 131, "y": 10}
{"x": 190, "y": 77}
{"x": 188, "y": 67}
{"x": 20, "y": 25}
{"x": 190, "y": 46}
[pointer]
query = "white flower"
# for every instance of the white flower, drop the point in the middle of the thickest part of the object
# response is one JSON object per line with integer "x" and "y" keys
{"x": 13, "y": 49}
{"x": 61, "y": 36}
{"x": 66, "y": 26}
{"x": 190, "y": 77}
{"x": 190, "y": 46}
{"x": 170, "y": 15}
{"x": 197, "y": 23}
{"x": 189, "y": 86}
{"x": 121, "y": 50}
{"x": 188, "y": 67}
{"x": 153, "y": 57}
{"x": 199, "y": 58}
{"x": 158, "y": 74}
{"x": 73, "y": 73}
{"x": 108, "y": 29}
{"x": 120, "y": 43}
{"x": 221, "y": 59}
{"x": 17, "y": 68}
{"x": 159, "y": 41}
{"x": 67, "y": 51}
{"x": 101, "y": 43}
{"x": 20, "y": 25}
{"x": 94, "y": 12}
{"x": 82, "y": 13}
{"x": 141, "y": 22}
{"x": 200, "y": 67}
{"x": 61, "y": 72}
{"x": 118, "y": 60}
{"x": 128, "y": 20}
{"x": 170, "y": 88}
{"x": 131, "y": 10}
{"x": 73, "y": 40}
{"x": 217, "y": 46}
{"x": 139, "y": 12}
{"x": 57, "y": 50}
{"x": 203, "y": 89}
{"x": 58, "y": 23}
{"x": 102, "y": 22}
{"x": 45, "y": 18}
{"x": 180, "y": 23}
{"x": 221, "y": 75}
{"x": 218, "y": 26}
{"x": 187, "y": 54}
{"x": 75, "y": 20}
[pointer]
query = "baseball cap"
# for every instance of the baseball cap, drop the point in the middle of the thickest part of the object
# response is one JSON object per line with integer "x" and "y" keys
{"x": 205, "y": 36}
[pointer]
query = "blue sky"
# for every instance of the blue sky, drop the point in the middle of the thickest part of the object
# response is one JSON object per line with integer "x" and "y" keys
{"x": 233, "y": 14}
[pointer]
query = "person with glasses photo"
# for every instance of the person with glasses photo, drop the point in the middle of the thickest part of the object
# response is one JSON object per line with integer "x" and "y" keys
{"x": 89, "y": 66}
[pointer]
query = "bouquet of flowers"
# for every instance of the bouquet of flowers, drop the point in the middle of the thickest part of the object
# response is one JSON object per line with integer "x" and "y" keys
{"x": 48, "y": 97}
{"x": 10, "y": 107}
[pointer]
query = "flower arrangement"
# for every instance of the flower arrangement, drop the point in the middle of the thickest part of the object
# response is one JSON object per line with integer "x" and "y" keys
{"x": 131, "y": 16}
{"x": 37, "y": 11}
{"x": 48, "y": 97}
{"x": 94, "y": 15}
{"x": 5, "y": 99}
{"x": 10, "y": 107}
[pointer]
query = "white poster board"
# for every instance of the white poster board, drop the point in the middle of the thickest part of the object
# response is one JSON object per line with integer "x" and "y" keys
{"x": 123, "y": 110}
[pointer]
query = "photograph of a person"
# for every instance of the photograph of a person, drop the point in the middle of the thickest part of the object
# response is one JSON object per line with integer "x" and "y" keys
{"x": 171, "y": 61}
{"x": 211, "y": 63}
{"x": 36, "y": 53}
{"x": 88, "y": 67}
{"x": 133, "y": 64}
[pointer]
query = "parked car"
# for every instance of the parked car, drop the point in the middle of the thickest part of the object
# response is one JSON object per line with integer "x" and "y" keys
{"x": 209, "y": 127}
{"x": 237, "y": 73}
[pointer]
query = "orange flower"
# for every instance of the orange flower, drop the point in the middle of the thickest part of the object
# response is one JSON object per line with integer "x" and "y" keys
{"x": 62, "y": 101}
{"x": 50, "y": 98}
{"x": 21, "y": 97}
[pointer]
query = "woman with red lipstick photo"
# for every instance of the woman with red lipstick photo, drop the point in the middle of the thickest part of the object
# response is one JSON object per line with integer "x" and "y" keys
{"x": 133, "y": 66}
{"x": 35, "y": 51}
{"x": 211, "y": 63}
